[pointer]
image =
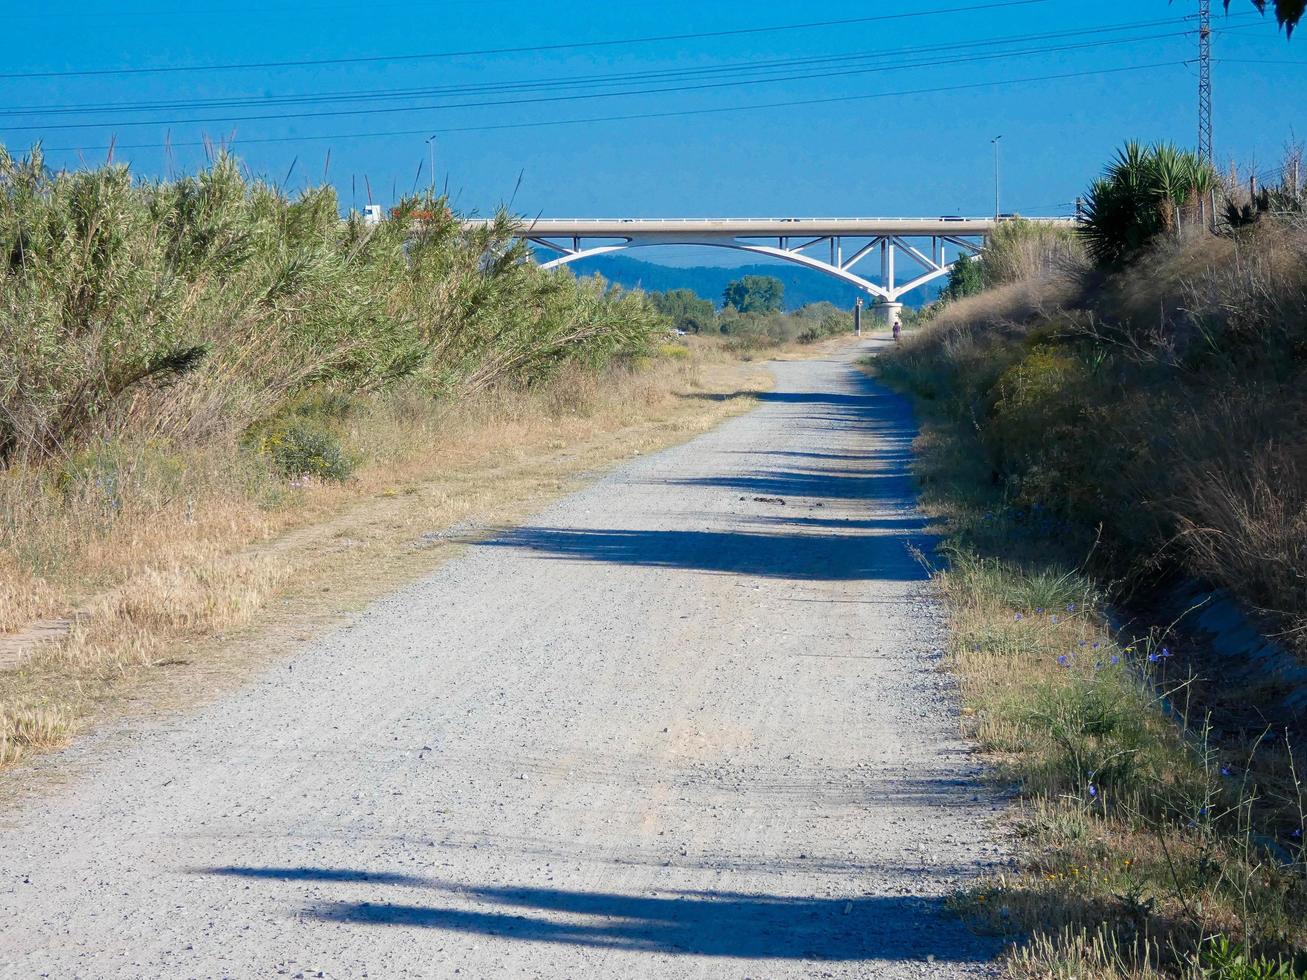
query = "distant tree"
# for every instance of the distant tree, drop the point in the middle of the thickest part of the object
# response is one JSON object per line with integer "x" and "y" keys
{"x": 755, "y": 294}
{"x": 686, "y": 309}
{"x": 965, "y": 278}
{"x": 1287, "y": 12}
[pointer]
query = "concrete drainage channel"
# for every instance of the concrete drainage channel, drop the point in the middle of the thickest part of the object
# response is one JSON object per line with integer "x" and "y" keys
{"x": 1246, "y": 658}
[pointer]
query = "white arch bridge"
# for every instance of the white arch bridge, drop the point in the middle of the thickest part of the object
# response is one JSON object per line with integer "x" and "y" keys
{"x": 817, "y": 243}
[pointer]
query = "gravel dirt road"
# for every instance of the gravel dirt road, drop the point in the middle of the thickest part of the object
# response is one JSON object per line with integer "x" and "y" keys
{"x": 688, "y": 722}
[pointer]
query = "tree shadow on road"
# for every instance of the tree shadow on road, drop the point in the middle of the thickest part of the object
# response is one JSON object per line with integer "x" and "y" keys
{"x": 892, "y": 487}
{"x": 813, "y": 557}
{"x": 692, "y": 923}
{"x": 716, "y": 924}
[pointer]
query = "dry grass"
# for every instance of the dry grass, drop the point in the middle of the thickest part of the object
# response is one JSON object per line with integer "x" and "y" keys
{"x": 1028, "y": 251}
{"x": 1142, "y": 836}
{"x": 1243, "y": 518}
{"x": 193, "y": 547}
{"x": 1161, "y": 404}
{"x": 1014, "y": 303}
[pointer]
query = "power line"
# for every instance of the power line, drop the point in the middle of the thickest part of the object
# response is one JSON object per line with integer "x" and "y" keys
{"x": 548, "y": 99}
{"x": 580, "y": 81}
{"x": 530, "y": 49}
{"x": 630, "y": 117}
{"x": 1257, "y": 61}
{"x": 298, "y": 10}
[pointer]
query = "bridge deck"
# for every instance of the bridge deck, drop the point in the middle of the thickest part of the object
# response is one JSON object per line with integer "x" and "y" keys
{"x": 762, "y": 227}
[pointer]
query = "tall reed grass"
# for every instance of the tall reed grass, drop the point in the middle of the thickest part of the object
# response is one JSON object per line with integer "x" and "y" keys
{"x": 189, "y": 309}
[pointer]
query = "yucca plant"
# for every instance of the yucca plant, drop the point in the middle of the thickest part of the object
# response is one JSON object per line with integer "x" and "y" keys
{"x": 1145, "y": 192}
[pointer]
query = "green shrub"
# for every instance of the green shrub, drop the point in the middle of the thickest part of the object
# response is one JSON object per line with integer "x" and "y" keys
{"x": 966, "y": 278}
{"x": 1039, "y": 424}
{"x": 1225, "y": 960}
{"x": 1098, "y": 728}
{"x": 300, "y": 450}
{"x": 686, "y": 309}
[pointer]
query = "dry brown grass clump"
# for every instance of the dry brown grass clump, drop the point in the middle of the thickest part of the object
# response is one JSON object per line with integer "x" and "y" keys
{"x": 1030, "y": 251}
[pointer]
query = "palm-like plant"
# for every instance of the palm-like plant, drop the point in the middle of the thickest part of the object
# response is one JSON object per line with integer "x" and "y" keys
{"x": 1144, "y": 192}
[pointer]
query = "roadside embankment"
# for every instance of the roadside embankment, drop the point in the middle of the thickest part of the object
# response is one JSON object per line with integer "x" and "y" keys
{"x": 1093, "y": 439}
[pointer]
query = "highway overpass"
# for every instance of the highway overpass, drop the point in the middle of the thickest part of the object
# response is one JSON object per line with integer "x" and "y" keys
{"x": 838, "y": 247}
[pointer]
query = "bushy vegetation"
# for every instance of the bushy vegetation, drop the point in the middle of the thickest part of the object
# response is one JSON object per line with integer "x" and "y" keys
{"x": 1095, "y": 433}
{"x": 686, "y": 310}
{"x": 194, "y": 308}
{"x": 751, "y": 317}
{"x": 1162, "y": 406}
{"x": 1019, "y": 250}
{"x": 806, "y": 325}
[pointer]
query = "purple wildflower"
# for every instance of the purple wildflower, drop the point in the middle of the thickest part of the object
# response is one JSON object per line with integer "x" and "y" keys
{"x": 1115, "y": 659}
{"x": 1064, "y": 660}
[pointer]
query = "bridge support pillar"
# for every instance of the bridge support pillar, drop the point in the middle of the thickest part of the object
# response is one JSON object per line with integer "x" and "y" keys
{"x": 887, "y": 314}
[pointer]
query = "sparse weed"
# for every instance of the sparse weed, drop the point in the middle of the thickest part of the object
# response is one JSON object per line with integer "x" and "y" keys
{"x": 27, "y": 727}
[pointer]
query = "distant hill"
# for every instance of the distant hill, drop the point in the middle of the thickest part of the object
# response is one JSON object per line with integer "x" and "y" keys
{"x": 802, "y": 286}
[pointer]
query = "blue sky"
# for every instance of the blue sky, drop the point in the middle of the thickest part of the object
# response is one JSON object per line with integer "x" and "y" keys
{"x": 905, "y": 154}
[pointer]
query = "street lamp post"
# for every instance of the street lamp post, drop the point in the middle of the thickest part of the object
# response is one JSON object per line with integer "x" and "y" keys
{"x": 994, "y": 143}
{"x": 431, "y": 146}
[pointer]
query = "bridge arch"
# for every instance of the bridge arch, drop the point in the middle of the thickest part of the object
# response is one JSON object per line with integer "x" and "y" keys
{"x": 797, "y": 240}
{"x": 574, "y": 239}
{"x": 789, "y": 255}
